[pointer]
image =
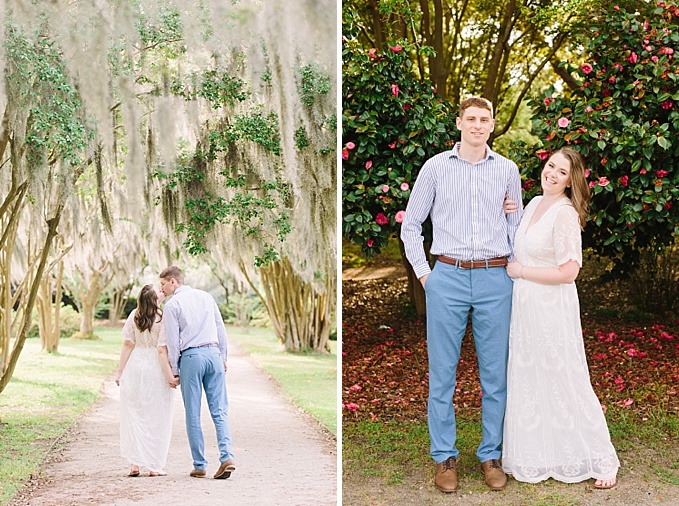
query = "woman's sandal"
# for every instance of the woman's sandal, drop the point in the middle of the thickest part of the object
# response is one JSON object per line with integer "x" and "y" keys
{"x": 606, "y": 487}
{"x": 161, "y": 473}
{"x": 133, "y": 473}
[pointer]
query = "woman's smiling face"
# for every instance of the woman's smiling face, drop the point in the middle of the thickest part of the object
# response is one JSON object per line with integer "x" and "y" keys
{"x": 556, "y": 175}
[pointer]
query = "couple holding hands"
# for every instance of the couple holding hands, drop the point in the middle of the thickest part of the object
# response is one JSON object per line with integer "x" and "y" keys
{"x": 515, "y": 271}
{"x": 185, "y": 342}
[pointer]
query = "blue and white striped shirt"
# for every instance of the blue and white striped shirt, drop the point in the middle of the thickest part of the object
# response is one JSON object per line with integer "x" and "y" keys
{"x": 465, "y": 202}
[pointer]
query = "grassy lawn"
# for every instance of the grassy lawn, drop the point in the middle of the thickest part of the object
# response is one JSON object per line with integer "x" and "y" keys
{"x": 50, "y": 392}
{"x": 310, "y": 380}
{"x": 47, "y": 394}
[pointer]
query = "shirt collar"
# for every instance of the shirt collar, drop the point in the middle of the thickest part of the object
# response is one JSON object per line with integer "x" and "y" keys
{"x": 455, "y": 152}
{"x": 181, "y": 289}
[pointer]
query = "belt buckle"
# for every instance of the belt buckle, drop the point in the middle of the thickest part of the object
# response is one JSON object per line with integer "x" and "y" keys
{"x": 471, "y": 264}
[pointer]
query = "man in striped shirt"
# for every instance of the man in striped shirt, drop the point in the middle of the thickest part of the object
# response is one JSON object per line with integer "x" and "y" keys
{"x": 463, "y": 190}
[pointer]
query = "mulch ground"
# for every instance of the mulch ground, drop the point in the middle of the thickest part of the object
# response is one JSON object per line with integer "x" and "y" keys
{"x": 633, "y": 361}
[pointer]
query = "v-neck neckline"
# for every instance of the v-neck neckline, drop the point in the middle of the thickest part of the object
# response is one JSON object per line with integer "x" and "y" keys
{"x": 532, "y": 224}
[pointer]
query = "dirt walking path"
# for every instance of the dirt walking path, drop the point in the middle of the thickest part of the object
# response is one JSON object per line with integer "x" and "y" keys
{"x": 283, "y": 457}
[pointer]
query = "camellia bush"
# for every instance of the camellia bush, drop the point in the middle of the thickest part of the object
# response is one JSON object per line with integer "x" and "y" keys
{"x": 392, "y": 123}
{"x": 624, "y": 119}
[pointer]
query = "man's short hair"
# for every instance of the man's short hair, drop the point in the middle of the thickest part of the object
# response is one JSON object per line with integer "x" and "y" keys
{"x": 482, "y": 103}
{"x": 173, "y": 272}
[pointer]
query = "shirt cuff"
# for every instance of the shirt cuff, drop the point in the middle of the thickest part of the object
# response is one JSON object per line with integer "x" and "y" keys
{"x": 422, "y": 270}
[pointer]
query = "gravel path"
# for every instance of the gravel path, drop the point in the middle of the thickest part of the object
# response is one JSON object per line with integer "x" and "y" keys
{"x": 283, "y": 457}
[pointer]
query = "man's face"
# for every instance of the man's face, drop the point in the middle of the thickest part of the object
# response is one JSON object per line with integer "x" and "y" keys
{"x": 475, "y": 125}
{"x": 167, "y": 286}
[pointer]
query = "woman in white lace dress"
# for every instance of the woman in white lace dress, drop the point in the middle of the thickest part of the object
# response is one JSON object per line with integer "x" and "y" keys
{"x": 554, "y": 424}
{"x": 146, "y": 387}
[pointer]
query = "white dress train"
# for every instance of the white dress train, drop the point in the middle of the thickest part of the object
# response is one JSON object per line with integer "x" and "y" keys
{"x": 554, "y": 424}
{"x": 146, "y": 400}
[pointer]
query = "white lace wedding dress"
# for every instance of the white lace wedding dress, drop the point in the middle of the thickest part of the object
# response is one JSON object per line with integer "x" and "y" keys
{"x": 145, "y": 400}
{"x": 554, "y": 424}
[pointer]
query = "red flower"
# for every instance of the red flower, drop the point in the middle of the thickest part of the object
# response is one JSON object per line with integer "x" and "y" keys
{"x": 642, "y": 171}
{"x": 662, "y": 173}
{"x": 604, "y": 160}
{"x": 666, "y": 104}
{"x": 632, "y": 58}
{"x": 543, "y": 154}
{"x": 603, "y": 181}
{"x": 369, "y": 243}
{"x": 548, "y": 101}
{"x": 394, "y": 90}
{"x": 372, "y": 54}
{"x": 393, "y": 145}
{"x": 396, "y": 48}
{"x": 381, "y": 219}
{"x": 406, "y": 107}
{"x": 345, "y": 154}
{"x": 587, "y": 68}
{"x": 624, "y": 180}
{"x": 606, "y": 93}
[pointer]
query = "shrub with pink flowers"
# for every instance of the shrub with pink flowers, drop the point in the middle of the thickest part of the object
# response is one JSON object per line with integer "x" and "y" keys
{"x": 391, "y": 123}
{"x": 624, "y": 118}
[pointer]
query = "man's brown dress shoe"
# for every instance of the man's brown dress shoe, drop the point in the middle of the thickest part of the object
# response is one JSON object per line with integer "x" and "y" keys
{"x": 446, "y": 475}
{"x": 496, "y": 478}
{"x": 197, "y": 473}
{"x": 225, "y": 469}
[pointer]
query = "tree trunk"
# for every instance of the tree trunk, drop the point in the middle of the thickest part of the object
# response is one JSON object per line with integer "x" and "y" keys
{"x": 415, "y": 288}
{"x": 300, "y": 315}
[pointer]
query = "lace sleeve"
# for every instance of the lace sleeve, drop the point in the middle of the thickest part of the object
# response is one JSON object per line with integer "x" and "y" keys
{"x": 567, "y": 237}
{"x": 129, "y": 328}
{"x": 162, "y": 341}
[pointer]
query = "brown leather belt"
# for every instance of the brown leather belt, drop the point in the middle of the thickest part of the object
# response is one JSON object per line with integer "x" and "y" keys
{"x": 474, "y": 264}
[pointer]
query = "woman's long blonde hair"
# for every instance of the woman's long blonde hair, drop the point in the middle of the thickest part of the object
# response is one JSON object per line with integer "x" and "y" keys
{"x": 578, "y": 190}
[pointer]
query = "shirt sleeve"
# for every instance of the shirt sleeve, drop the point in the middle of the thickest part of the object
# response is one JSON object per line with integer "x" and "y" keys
{"x": 514, "y": 219}
{"x": 128, "y": 329}
{"x": 162, "y": 339}
{"x": 567, "y": 236}
{"x": 418, "y": 208}
{"x": 221, "y": 331}
{"x": 171, "y": 318}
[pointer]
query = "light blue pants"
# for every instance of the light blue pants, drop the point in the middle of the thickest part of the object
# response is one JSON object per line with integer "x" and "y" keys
{"x": 203, "y": 368}
{"x": 451, "y": 293}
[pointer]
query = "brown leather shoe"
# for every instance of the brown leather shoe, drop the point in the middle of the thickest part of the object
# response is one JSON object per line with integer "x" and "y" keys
{"x": 446, "y": 475}
{"x": 225, "y": 469}
{"x": 496, "y": 478}
{"x": 198, "y": 473}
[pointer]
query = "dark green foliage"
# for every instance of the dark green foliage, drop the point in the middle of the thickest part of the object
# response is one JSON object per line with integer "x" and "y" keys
{"x": 313, "y": 81}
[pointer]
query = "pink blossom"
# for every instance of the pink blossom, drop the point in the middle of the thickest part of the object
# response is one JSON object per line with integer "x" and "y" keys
{"x": 355, "y": 388}
{"x": 394, "y": 90}
{"x": 592, "y": 184}
{"x": 369, "y": 243}
{"x": 666, "y": 104}
{"x": 368, "y": 164}
{"x": 588, "y": 109}
{"x": 587, "y": 172}
{"x": 587, "y": 68}
{"x": 385, "y": 188}
{"x": 392, "y": 145}
{"x": 352, "y": 406}
{"x": 400, "y": 215}
{"x": 642, "y": 171}
{"x": 666, "y": 50}
{"x": 548, "y": 101}
{"x": 662, "y": 173}
{"x": 381, "y": 219}
{"x": 563, "y": 122}
{"x": 616, "y": 8}
{"x": 373, "y": 54}
{"x": 646, "y": 25}
{"x": 543, "y": 154}
{"x": 345, "y": 154}
{"x": 405, "y": 187}
{"x": 603, "y": 181}
{"x": 632, "y": 58}
{"x": 624, "y": 180}
{"x": 350, "y": 145}
{"x": 604, "y": 160}
{"x": 611, "y": 79}
{"x": 654, "y": 59}
{"x": 396, "y": 48}
{"x": 628, "y": 402}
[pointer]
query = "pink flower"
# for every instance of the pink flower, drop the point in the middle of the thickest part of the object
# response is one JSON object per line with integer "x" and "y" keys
{"x": 632, "y": 58}
{"x": 654, "y": 59}
{"x": 350, "y": 145}
{"x": 381, "y": 219}
{"x": 611, "y": 79}
{"x": 616, "y": 8}
{"x": 563, "y": 122}
{"x": 345, "y": 154}
{"x": 352, "y": 406}
{"x": 588, "y": 109}
{"x": 393, "y": 145}
{"x": 373, "y": 54}
{"x": 604, "y": 160}
{"x": 369, "y": 243}
{"x": 399, "y": 216}
{"x": 355, "y": 388}
{"x": 548, "y": 101}
{"x": 405, "y": 187}
{"x": 587, "y": 172}
{"x": 642, "y": 171}
{"x": 385, "y": 188}
{"x": 628, "y": 402}
{"x": 624, "y": 180}
{"x": 543, "y": 154}
{"x": 396, "y": 48}
{"x": 587, "y": 68}
{"x": 592, "y": 184}
{"x": 662, "y": 173}
{"x": 666, "y": 50}
{"x": 603, "y": 181}
{"x": 368, "y": 164}
{"x": 394, "y": 90}
{"x": 646, "y": 25}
